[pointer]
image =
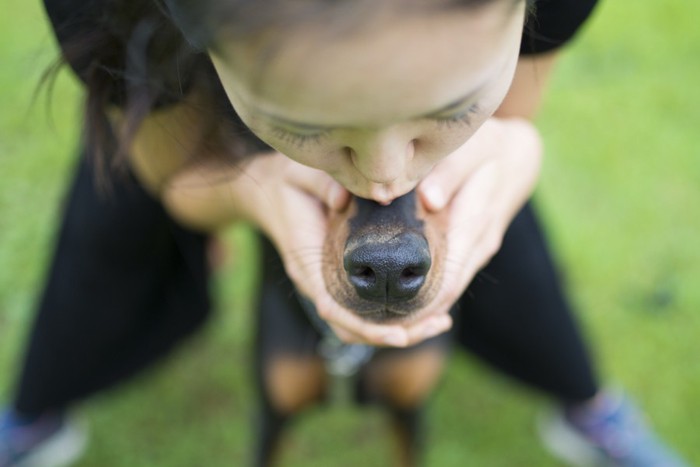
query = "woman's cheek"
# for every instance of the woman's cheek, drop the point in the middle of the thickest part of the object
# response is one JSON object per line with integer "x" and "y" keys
{"x": 440, "y": 144}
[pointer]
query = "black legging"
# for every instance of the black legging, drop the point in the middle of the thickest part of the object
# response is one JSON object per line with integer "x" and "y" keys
{"x": 515, "y": 317}
{"x": 127, "y": 284}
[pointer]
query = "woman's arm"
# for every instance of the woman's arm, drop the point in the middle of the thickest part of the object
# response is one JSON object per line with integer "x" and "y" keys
{"x": 168, "y": 141}
{"x": 529, "y": 84}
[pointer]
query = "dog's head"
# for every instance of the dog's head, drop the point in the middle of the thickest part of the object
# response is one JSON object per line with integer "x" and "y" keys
{"x": 384, "y": 262}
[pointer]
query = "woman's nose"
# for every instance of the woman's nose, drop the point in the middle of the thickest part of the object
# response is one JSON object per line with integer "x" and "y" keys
{"x": 381, "y": 157}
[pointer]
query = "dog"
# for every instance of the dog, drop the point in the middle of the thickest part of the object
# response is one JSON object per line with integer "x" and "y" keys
{"x": 384, "y": 263}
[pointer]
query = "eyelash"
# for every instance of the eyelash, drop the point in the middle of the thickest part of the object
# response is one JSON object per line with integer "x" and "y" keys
{"x": 296, "y": 138}
{"x": 461, "y": 118}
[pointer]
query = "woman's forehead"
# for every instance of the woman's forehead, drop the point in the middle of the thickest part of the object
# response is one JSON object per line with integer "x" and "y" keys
{"x": 392, "y": 69}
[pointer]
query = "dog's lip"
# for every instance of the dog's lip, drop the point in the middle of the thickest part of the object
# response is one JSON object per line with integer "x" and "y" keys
{"x": 367, "y": 308}
{"x": 386, "y": 314}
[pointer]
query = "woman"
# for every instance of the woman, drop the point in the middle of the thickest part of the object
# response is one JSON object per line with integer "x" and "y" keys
{"x": 372, "y": 98}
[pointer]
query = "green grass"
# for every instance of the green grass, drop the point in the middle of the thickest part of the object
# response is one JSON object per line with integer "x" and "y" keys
{"x": 620, "y": 195}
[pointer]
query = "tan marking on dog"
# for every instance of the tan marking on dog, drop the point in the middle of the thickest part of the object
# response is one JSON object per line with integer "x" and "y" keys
{"x": 405, "y": 379}
{"x": 294, "y": 383}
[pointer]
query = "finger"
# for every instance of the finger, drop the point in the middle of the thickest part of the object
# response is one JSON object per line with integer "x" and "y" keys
{"x": 346, "y": 337}
{"x": 353, "y": 327}
{"x": 442, "y": 183}
{"x": 468, "y": 266}
{"x": 428, "y": 328}
{"x": 320, "y": 185}
{"x": 470, "y": 214}
{"x": 446, "y": 178}
{"x": 472, "y": 238}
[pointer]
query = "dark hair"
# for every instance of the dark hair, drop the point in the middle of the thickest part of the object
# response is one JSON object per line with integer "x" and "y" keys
{"x": 202, "y": 22}
{"x": 145, "y": 54}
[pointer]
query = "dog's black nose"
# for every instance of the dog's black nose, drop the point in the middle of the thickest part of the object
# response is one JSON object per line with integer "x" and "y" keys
{"x": 389, "y": 271}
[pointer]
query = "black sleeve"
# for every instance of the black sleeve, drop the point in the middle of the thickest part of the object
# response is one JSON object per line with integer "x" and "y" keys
{"x": 553, "y": 24}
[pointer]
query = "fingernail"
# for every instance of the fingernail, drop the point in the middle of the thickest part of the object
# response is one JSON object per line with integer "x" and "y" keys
{"x": 444, "y": 323}
{"x": 437, "y": 326}
{"x": 434, "y": 197}
{"x": 394, "y": 340}
{"x": 337, "y": 197}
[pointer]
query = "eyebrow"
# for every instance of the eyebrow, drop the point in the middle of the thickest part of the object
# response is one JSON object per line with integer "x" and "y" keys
{"x": 451, "y": 106}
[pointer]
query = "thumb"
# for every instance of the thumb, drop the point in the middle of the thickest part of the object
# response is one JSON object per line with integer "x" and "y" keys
{"x": 320, "y": 185}
{"x": 447, "y": 177}
{"x": 441, "y": 185}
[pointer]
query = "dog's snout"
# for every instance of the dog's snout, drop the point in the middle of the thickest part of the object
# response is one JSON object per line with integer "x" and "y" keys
{"x": 388, "y": 271}
{"x": 392, "y": 258}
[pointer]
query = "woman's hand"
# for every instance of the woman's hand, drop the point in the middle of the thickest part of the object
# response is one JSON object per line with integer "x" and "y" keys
{"x": 482, "y": 185}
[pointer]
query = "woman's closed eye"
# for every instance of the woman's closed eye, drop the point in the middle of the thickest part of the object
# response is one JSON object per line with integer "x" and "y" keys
{"x": 462, "y": 117}
{"x": 297, "y": 137}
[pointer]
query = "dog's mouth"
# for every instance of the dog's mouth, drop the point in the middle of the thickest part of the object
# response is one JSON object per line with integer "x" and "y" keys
{"x": 386, "y": 314}
{"x": 383, "y": 262}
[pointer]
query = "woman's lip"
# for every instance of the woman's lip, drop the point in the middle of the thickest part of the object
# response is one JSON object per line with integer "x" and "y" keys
{"x": 384, "y": 194}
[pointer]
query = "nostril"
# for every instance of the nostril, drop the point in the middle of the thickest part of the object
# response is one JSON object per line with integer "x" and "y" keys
{"x": 369, "y": 283}
{"x": 410, "y": 273}
{"x": 362, "y": 277}
{"x": 364, "y": 272}
{"x": 408, "y": 282}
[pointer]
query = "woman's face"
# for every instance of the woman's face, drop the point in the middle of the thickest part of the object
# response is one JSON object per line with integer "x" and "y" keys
{"x": 377, "y": 107}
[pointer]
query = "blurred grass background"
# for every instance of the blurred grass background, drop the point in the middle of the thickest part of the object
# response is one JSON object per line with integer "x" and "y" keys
{"x": 620, "y": 194}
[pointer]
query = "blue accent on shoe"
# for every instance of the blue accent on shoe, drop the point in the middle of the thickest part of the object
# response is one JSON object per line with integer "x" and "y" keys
{"x": 618, "y": 437}
{"x": 11, "y": 419}
{"x": 50, "y": 440}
